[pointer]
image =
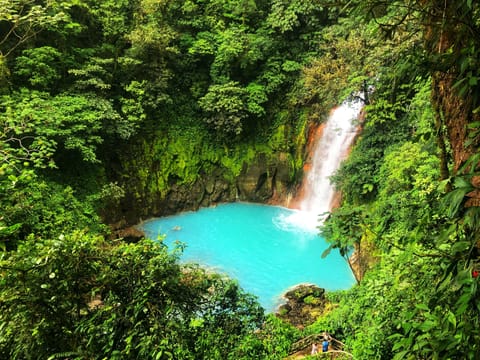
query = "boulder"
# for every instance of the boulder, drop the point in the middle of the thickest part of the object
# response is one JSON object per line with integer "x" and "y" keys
{"x": 303, "y": 304}
{"x": 129, "y": 234}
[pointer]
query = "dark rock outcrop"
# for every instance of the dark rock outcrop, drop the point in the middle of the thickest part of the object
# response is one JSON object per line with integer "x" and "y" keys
{"x": 259, "y": 180}
{"x": 304, "y": 304}
{"x": 119, "y": 230}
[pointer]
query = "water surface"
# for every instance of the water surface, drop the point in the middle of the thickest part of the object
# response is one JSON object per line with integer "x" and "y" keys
{"x": 258, "y": 245}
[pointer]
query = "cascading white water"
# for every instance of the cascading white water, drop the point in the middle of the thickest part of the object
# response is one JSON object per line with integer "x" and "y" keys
{"x": 330, "y": 149}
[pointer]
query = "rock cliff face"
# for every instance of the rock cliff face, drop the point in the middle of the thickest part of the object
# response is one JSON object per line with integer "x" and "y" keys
{"x": 259, "y": 181}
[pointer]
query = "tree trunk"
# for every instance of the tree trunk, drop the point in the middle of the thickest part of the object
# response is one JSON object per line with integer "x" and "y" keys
{"x": 449, "y": 40}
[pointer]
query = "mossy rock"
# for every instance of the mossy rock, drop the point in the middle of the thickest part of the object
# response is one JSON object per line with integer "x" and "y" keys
{"x": 312, "y": 300}
{"x": 304, "y": 304}
{"x": 303, "y": 291}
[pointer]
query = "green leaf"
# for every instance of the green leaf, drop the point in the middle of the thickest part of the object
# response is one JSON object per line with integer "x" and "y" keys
{"x": 460, "y": 247}
{"x": 454, "y": 200}
{"x": 327, "y": 251}
{"x": 451, "y": 319}
{"x": 422, "y": 306}
{"x": 400, "y": 355}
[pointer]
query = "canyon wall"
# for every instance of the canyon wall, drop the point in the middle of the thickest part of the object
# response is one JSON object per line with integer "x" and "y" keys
{"x": 263, "y": 177}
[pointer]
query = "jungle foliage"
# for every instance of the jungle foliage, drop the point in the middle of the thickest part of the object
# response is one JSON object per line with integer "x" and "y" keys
{"x": 107, "y": 100}
{"x": 79, "y": 296}
{"x": 114, "y": 100}
{"x": 409, "y": 187}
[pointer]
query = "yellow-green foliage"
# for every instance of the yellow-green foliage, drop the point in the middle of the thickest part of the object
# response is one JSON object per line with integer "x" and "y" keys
{"x": 233, "y": 159}
{"x": 182, "y": 155}
{"x": 186, "y": 151}
{"x": 300, "y": 139}
{"x": 278, "y": 139}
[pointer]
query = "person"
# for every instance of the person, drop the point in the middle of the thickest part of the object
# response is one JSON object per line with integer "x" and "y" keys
{"x": 325, "y": 345}
{"x": 314, "y": 348}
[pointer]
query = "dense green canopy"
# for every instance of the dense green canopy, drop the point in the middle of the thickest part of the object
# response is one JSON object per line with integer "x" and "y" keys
{"x": 107, "y": 104}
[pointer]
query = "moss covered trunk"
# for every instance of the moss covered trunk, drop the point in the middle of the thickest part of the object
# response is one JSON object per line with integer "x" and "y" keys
{"x": 450, "y": 40}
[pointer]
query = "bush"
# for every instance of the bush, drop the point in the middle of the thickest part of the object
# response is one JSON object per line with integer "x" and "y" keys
{"x": 81, "y": 295}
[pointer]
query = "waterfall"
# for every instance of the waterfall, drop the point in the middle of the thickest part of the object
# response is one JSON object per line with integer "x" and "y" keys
{"x": 329, "y": 151}
{"x": 317, "y": 192}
